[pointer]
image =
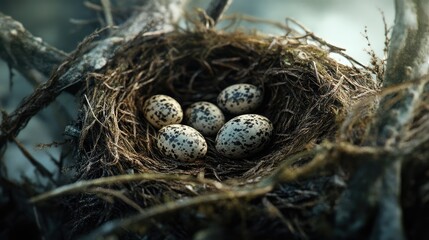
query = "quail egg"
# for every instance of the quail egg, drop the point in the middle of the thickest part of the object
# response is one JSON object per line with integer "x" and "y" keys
{"x": 205, "y": 117}
{"x": 162, "y": 110}
{"x": 243, "y": 135}
{"x": 240, "y": 98}
{"x": 181, "y": 142}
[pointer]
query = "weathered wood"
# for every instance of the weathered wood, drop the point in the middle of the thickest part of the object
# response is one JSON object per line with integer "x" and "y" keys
{"x": 409, "y": 45}
{"x": 152, "y": 16}
{"x": 372, "y": 198}
{"x": 216, "y": 8}
{"x": 25, "y": 52}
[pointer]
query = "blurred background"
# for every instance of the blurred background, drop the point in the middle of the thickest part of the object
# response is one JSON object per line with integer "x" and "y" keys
{"x": 64, "y": 23}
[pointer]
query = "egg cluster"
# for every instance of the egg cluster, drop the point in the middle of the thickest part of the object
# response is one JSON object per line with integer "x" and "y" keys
{"x": 241, "y": 136}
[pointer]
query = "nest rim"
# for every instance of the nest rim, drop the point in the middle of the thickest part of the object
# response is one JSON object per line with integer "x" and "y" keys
{"x": 176, "y": 68}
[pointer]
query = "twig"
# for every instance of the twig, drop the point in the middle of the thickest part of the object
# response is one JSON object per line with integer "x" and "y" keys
{"x": 312, "y": 35}
{"x": 93, "y": 6}
{"x": 387, "y": 31}
{"x": 118, "y": 226}
{"x": 252, "y": 19}
{"x": 116, "y": 194}
{"x": 152, "y": 16}
{"x": 38, "y": 220}
{"x": 81, "y": 186}
{"x": 107, "y": 9}
{"x": 33, "y": 161}
{"x": 273, "y": 210}
{"x": 25, "y": 52}
{"x": 216, "y": 8}
{"x": 332, "y": 48}
{"x": 285, "y": 173}
{"x": 41, "y": 97}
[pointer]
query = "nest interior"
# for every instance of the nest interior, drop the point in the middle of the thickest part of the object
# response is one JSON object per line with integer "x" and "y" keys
{"x": 306, "y": 95}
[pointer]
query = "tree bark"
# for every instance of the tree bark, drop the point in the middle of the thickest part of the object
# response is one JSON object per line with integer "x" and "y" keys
{"x": 25, "y": 52}
{"x": 152, "y": 16}
{"x": 372, "y": 198}
{"x": 408, "y": 60}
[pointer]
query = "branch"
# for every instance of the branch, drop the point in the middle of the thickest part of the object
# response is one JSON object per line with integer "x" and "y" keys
{"x": 25, "y": 52}
{"x": 82, "y": 186}
{"x": 216, "y": 8}
{"x": 135, "y": 222}
{"x": 284, "y": 174}
{"x": 409, "y": 46}
{"x": 378, "y": 192}
{"x": 40, "y": 168}
{"x": 408, "y": 59}
{"x": 153, "y": 16}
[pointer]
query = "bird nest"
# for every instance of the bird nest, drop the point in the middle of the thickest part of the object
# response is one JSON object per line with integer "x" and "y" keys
{"x": 307, "y": 94}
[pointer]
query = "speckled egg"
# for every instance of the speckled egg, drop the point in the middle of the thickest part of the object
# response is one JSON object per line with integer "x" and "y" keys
{"x": 181, "y": 142}
{"x": 240, "y": 98}
{"x": 162, "y": 110}
{"x": 206, "y": 117}
{"x": 244, "y": 135}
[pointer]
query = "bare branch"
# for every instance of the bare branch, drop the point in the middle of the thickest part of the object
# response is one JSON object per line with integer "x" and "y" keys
{"x": 283, "y": 174}
{"x": 25, "y": 52}
{"x": 39, "y": 167}
{"x": 378, "y": 191}
{"x": 409, "y": 46}
{"x": 118, "y": 226}
{"x": 408, "y": 59}
{"x": 154, "y": 16}
{"x": 216, "y": 8}
{"x": 82, "y": 186}
{"x": 107, "y": 8}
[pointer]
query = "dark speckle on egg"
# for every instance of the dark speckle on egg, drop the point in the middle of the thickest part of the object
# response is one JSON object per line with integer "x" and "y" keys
{"x": 181, "y": 142}
{"x": 244, "y": 135}
{"x": 240, "y": 98}
{"x": 205, "y": 117}
{"x": 162, "y": 110}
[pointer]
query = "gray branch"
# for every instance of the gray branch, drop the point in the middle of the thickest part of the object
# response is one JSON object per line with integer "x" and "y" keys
{"x": 25, "y": 52}
{"x": 409, "y": 46}
{"x": 374, "y": 190}
{"x": 216, "y": 8}
{"x": 408, "y": 60}
{"x": 153, "y": 16}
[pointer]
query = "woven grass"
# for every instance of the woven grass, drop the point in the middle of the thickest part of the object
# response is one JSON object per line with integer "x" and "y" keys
{"x": 307, "y": 96}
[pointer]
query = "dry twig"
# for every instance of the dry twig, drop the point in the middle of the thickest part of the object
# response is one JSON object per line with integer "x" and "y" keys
{"x": 216, "y": 8}
{"x": 82, "y": 186}
{"x": 152, "y": 16}
{"x": 28, "y": 54}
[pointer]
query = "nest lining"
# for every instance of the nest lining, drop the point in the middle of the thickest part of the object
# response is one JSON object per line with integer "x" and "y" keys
{"x": 306, "y": 95}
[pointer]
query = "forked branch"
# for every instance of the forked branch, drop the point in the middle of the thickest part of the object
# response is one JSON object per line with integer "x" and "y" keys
{"x": 153, "y": 16}
{"x": 372, "y": 198}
